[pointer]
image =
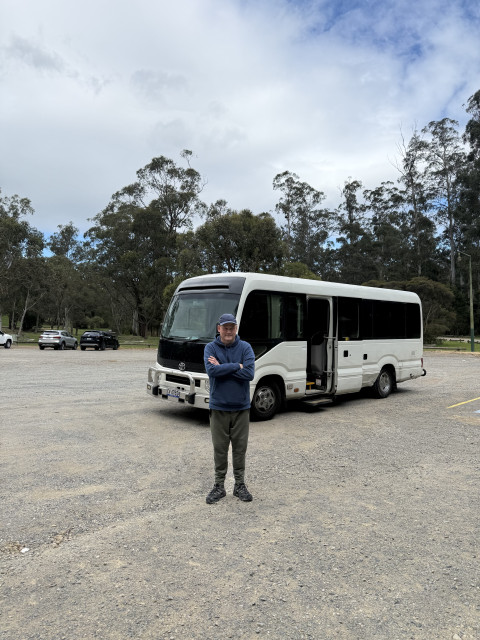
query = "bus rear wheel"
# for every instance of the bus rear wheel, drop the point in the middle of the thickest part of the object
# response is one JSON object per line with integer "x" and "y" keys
{"x": 266, "y": 401}
{"x": 384, "y": 384}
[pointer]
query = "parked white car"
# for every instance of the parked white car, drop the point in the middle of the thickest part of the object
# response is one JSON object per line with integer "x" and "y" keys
{"x": 57, "y": 340}
{"x": 5, "y": 340}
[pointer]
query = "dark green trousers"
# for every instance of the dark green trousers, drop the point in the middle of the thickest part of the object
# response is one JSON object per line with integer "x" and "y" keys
{"x": 229, "y": 427}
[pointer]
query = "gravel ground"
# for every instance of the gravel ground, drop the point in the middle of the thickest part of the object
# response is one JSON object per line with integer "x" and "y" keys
{"x": 364, "y": 523}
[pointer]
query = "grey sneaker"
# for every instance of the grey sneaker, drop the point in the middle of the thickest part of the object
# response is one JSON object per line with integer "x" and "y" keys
{"x": 240, "y": 490}
{"x": 217, "y": 493}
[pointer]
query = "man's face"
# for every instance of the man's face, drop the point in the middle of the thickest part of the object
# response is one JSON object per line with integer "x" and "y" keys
{"x": 227, "y": 332}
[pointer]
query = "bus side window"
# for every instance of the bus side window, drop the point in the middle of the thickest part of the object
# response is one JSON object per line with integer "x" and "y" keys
{"x": 295, "y": 317}
{"x": 348, "y": 318}
{"x": 413, "y": 324}
{"x": 262, "y": 322}
{"x": 254, "y": 322}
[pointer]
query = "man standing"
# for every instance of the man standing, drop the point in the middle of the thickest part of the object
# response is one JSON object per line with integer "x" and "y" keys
{"x": 230, "y": 364}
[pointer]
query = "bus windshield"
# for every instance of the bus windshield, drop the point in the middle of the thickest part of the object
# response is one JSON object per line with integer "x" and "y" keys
{"x": 194, "y": 316}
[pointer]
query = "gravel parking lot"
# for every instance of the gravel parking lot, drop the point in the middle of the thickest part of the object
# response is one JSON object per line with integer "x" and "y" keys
{"x": 364, "y": 523}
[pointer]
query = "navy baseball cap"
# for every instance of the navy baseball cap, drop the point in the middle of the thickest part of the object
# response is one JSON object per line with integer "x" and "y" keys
{"x": 227, "y": 318}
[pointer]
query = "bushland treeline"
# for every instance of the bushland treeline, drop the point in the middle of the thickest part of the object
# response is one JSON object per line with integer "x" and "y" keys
{"x": 420, "y": 233}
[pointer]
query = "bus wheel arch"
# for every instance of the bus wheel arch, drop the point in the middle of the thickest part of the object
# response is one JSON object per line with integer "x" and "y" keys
{"x": 267, "y": 398}
{"x": 385, "y": 383}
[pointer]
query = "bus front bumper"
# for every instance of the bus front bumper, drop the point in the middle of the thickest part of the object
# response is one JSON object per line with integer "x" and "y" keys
{"x": 190, "y": 391}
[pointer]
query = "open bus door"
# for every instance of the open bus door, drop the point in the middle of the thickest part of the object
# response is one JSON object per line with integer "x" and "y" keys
{"x": 320, "y": 361}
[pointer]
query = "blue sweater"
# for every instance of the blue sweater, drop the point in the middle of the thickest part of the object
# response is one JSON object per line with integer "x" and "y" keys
{"x": 229, "y": 384}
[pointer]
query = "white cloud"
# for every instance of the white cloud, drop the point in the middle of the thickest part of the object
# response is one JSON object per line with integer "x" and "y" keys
{"x": 94, "y": 90}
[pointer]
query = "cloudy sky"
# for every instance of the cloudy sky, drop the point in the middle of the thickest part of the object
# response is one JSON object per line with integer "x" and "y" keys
{"x": 91, "y": 91}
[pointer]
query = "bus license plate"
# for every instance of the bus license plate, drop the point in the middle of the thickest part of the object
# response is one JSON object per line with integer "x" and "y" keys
{"x": 174, "y": 393}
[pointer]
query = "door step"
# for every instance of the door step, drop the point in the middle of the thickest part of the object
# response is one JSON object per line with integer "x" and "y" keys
{"x": 316, "y": 402}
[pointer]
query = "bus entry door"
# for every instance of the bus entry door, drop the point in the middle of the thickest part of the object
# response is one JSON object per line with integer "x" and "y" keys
{"x": 320, "y": 343}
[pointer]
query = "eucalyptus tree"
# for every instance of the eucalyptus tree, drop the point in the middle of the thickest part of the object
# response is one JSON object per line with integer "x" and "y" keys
{"x": 65, "y": 242}
{"x": 188, "y": 261}
{"x": 351, "y": 213}
{"x": 64, "y": 286}
{"x": 389, "y": 246}
{"x": 355, "y": 252}
{"x": 32, "y": 281}
{"x": 308, "y": 224}
{"x": 416, "y": 226}
{"x": 19, "y": 241}
{"x": 288, "y": 184}
{"x": 133, "y": 240}
{"x": 240, "y": 241}
{"x": 130, "y": 250}
{"x": 470, "y": 183}
{"x": 169, "y": 191}
{"x": 445, "y": 160}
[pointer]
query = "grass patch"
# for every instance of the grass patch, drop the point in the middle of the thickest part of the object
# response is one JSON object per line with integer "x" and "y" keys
{"x": 453, "y": 344}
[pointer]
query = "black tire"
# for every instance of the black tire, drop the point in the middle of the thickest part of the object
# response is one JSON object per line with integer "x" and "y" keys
{"x": 115, "y": 347}
{"x": 102, "y": 346}
{"x": 40, "y": 346}
{"x": 96, "y": 347}
{"x": 266, "y": 401}
{"x": 75, "y": 346}
{"x": 8, "y": 344}
{"x": 384, "y": 384}
{"x": 83, "y": 348}
{"x": 61, "y": 346}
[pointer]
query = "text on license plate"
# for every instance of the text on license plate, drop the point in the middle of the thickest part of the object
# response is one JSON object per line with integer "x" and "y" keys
{"x": 174, "y": 393}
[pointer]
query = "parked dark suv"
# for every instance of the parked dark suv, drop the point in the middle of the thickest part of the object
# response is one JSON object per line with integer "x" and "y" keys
{"x": 99, "y": 340}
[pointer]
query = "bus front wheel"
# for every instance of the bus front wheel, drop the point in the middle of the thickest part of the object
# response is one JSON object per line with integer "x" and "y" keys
{"x": 266, "y": 401}
{"x": 384, "y": 384}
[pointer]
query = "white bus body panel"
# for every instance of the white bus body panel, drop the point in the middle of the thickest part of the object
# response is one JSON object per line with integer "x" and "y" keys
{"x": 287, "y": 360}
{"x": 349, "y": 367}
{"x": 360, "y": 363}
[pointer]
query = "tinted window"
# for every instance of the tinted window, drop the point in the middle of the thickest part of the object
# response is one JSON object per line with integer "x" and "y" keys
{"x": 348, "y": 318}
{"x": 262, "y": 317}
{"x": 413, "y": 320}
{"x": 294, "y": 317}
{"x": 387, "y": 319}
{"x": 269, "y": 317}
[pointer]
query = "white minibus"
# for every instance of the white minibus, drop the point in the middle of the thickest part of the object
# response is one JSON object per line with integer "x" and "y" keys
{"x": 312, "y": 340}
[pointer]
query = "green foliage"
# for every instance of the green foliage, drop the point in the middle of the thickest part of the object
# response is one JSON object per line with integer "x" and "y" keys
{"x": 239, "y": 241}
{"x": 437, "y": 303}
{"x": 19, "y": 243}
{"x": 93, "y": 323}
{"x": 133, "y": 241}
{"x": 298, "y": 270}
{"x": 308, "y": 225}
